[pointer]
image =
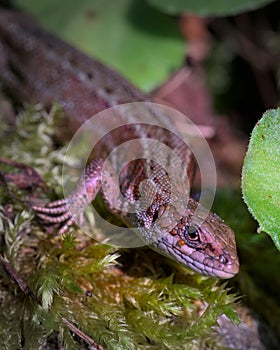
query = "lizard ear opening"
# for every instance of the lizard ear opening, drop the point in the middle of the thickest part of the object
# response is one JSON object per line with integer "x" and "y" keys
{"x": 155, "y": 215}
{"x": 157, "y": 212}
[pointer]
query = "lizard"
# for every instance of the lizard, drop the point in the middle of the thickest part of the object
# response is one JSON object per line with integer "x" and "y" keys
{"x": 37, "y": 66}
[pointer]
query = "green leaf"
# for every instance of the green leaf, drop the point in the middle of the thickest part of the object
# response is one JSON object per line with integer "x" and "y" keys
{"x": 128, "y": 35}
{"x": 260, "y": 179}
{"x": 208, "y": 8}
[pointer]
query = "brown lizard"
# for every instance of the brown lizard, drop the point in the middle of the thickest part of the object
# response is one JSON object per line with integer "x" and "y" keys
{"x": 36, "y": 66}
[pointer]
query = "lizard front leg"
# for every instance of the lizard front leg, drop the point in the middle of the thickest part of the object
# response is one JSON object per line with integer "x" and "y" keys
{"x": 67, "y": 210}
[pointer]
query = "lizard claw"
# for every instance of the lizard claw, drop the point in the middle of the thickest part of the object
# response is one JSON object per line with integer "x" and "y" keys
{"x": 66, "y": 226}
{"x": 58, "y": 203}
{"x": 56, "y": 212}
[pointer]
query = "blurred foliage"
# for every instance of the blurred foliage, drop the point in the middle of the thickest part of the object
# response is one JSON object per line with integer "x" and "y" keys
{"x": 208, "y": 8}
{"x": 128, "y": 35}
{"x": 260, "y": 178}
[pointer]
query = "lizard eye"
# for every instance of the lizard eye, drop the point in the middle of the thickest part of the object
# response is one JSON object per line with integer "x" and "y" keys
{"x": 192, "y": 233}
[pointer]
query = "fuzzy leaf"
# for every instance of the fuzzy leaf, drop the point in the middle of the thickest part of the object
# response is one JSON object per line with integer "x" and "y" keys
{"x": 260, "y": 178}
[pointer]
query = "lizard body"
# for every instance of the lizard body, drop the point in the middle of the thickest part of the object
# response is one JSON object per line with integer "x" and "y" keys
{"x": 36, "y": 66}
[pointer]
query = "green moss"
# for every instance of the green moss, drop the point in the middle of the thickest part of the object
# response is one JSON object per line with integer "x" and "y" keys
{"x": 152, "y": 304}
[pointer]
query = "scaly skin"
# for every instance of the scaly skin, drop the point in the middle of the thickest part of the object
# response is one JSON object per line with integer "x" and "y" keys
{"x": 36, "y": 66}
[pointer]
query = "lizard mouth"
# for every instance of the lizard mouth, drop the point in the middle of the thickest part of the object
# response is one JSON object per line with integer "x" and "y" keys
{"x": 224, "y": 266}
{"x": 213, "y": 267}
{"x": 220, "y": 268}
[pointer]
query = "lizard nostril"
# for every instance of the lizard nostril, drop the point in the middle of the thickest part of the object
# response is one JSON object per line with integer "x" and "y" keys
{"x": 223, "y": 259}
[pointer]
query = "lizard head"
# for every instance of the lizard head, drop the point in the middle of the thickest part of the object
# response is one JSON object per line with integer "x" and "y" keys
{"x": 208, "y": 248}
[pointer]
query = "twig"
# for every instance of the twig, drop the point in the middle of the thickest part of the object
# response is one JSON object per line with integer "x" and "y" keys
{"x": 28, "y": 178}
{"x": 12, "y": 274}
{"x": 82, "y": 335}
